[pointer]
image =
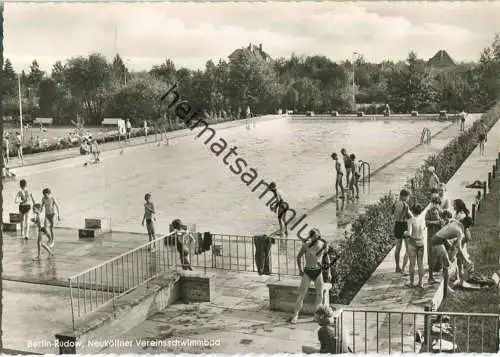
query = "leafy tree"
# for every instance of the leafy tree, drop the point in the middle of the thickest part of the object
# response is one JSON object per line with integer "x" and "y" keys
{"x": 9, "y": 81}
{"x": 89, "y": 80}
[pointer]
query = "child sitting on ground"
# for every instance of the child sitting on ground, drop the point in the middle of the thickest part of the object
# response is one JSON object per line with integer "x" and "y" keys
{"x": 37, "y": 209}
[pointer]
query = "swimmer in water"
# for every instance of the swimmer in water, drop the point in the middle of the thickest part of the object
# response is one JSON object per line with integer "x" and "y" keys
{"x": 312, "y": 250}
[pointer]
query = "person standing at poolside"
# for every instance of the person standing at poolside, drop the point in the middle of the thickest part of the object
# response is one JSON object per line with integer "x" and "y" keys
{"x": 416, "y": 235}
{"x": 348, "y": 167}
{"x": 146, "y": 130}
{"x": 434, "y": 181}
{"x": 461, "y": 210}
{"x": 445, "y": 202}
{"x": 23, "y": 197}
{"x": 50, "y": 205}
{"x": 128, "y": 127}
{"x": 401, "y": 214}
{"x": 462, "y": 115}
{"x": 312, "y": 250}
{"x": 356, "y": 174}
{"x": 482, "y": 138}
{"x": 19, "y": 148}
{"x": 149, "y": 216}
{"x": 338, "y": 176}
{"x": 434, "y": 223}
{"x": 6, "y": 148}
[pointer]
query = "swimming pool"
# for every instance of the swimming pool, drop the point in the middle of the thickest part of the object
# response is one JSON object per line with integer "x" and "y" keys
{"x": 188, "y": 181}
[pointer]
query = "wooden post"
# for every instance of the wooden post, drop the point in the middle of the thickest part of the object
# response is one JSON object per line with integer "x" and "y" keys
{"x": 427, "y": 329}
{"x": 494, "y": 170}
{"x": 489, "y": 180}
{"x": 473, "y": 213}
{"x": 485, "y": 188}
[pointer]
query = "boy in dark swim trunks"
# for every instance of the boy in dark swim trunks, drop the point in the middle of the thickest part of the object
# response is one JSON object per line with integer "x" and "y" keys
{"x": 312, "y": 250}
{"x": 356, "y": 174}
{"x": 22, "y": 198}
{"x": 338, "y": 177}
{"x": 50, "y": 205}
{"x": 149, "y": 212}
{"x": 401, "y": 214}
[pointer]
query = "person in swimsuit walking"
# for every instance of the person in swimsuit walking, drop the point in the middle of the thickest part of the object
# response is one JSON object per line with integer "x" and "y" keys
{"x": 312, "y": 250}
{"x": 338, "y": 177}
{"x": 22, "y": 198}
{"x": 50, "y": 205}
{"x": 37, "y": 209}
{"x": 401, "y": 214}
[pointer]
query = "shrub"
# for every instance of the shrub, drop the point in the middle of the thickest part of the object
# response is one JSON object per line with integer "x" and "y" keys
{"x": 370, "y": 238}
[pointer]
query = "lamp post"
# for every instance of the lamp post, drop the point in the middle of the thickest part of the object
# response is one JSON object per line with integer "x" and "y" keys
{"x": 354, "y": 54}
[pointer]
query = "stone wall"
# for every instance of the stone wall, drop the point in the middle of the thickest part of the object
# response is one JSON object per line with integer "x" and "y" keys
{"x": 102, "y": 326}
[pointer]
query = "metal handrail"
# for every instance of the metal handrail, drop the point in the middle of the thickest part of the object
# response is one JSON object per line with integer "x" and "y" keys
{"x": 363, "y": 165}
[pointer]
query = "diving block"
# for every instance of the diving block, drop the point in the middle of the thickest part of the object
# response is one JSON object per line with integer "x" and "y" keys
{"x": 89, "y": 233}
{"x": 93, "y": 223}
{"x": 9, "y": 227}
{"x": 15, "y": 218}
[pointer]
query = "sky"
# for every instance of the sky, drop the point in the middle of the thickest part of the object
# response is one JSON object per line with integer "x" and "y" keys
{"x": 192, "y": 33}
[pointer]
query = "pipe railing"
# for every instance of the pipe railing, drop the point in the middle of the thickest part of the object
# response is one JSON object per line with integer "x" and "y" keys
{"x": 365, "y": 166}
{"x": 104, "y": 283}
{"x": 378, "y": 331}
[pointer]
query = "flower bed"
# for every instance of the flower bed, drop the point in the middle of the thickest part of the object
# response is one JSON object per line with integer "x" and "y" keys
{"x": 370, "y": 238}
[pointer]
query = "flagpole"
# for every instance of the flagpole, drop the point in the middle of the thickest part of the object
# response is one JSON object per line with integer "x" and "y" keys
{"x": 20, "y": 107}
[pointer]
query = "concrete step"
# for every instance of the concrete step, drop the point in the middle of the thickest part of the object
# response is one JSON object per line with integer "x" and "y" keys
{"x": 93, "y": 223}
{"x": 89, "y": 233}
{"x": 15, "y": 217}
{"x": 9, "y": 227}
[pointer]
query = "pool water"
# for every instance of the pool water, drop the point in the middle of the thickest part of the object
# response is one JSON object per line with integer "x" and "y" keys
{"x": 190, "y": 182}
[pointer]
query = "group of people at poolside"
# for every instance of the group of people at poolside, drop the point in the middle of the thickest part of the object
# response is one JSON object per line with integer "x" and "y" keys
{"x": 352, "y": 171}
{"x": 442, "y": 227}
{"x": 48, "y": 206}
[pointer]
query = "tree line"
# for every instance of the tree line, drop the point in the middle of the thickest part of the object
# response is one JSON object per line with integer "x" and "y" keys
{"x": 93, "y": 88}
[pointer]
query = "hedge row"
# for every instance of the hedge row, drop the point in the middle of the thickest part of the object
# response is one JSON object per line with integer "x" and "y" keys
{"x": 370, "y": 238}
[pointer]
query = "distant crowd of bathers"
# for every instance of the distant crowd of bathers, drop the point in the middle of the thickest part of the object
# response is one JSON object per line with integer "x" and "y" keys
{"x": 352, "y": 170}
